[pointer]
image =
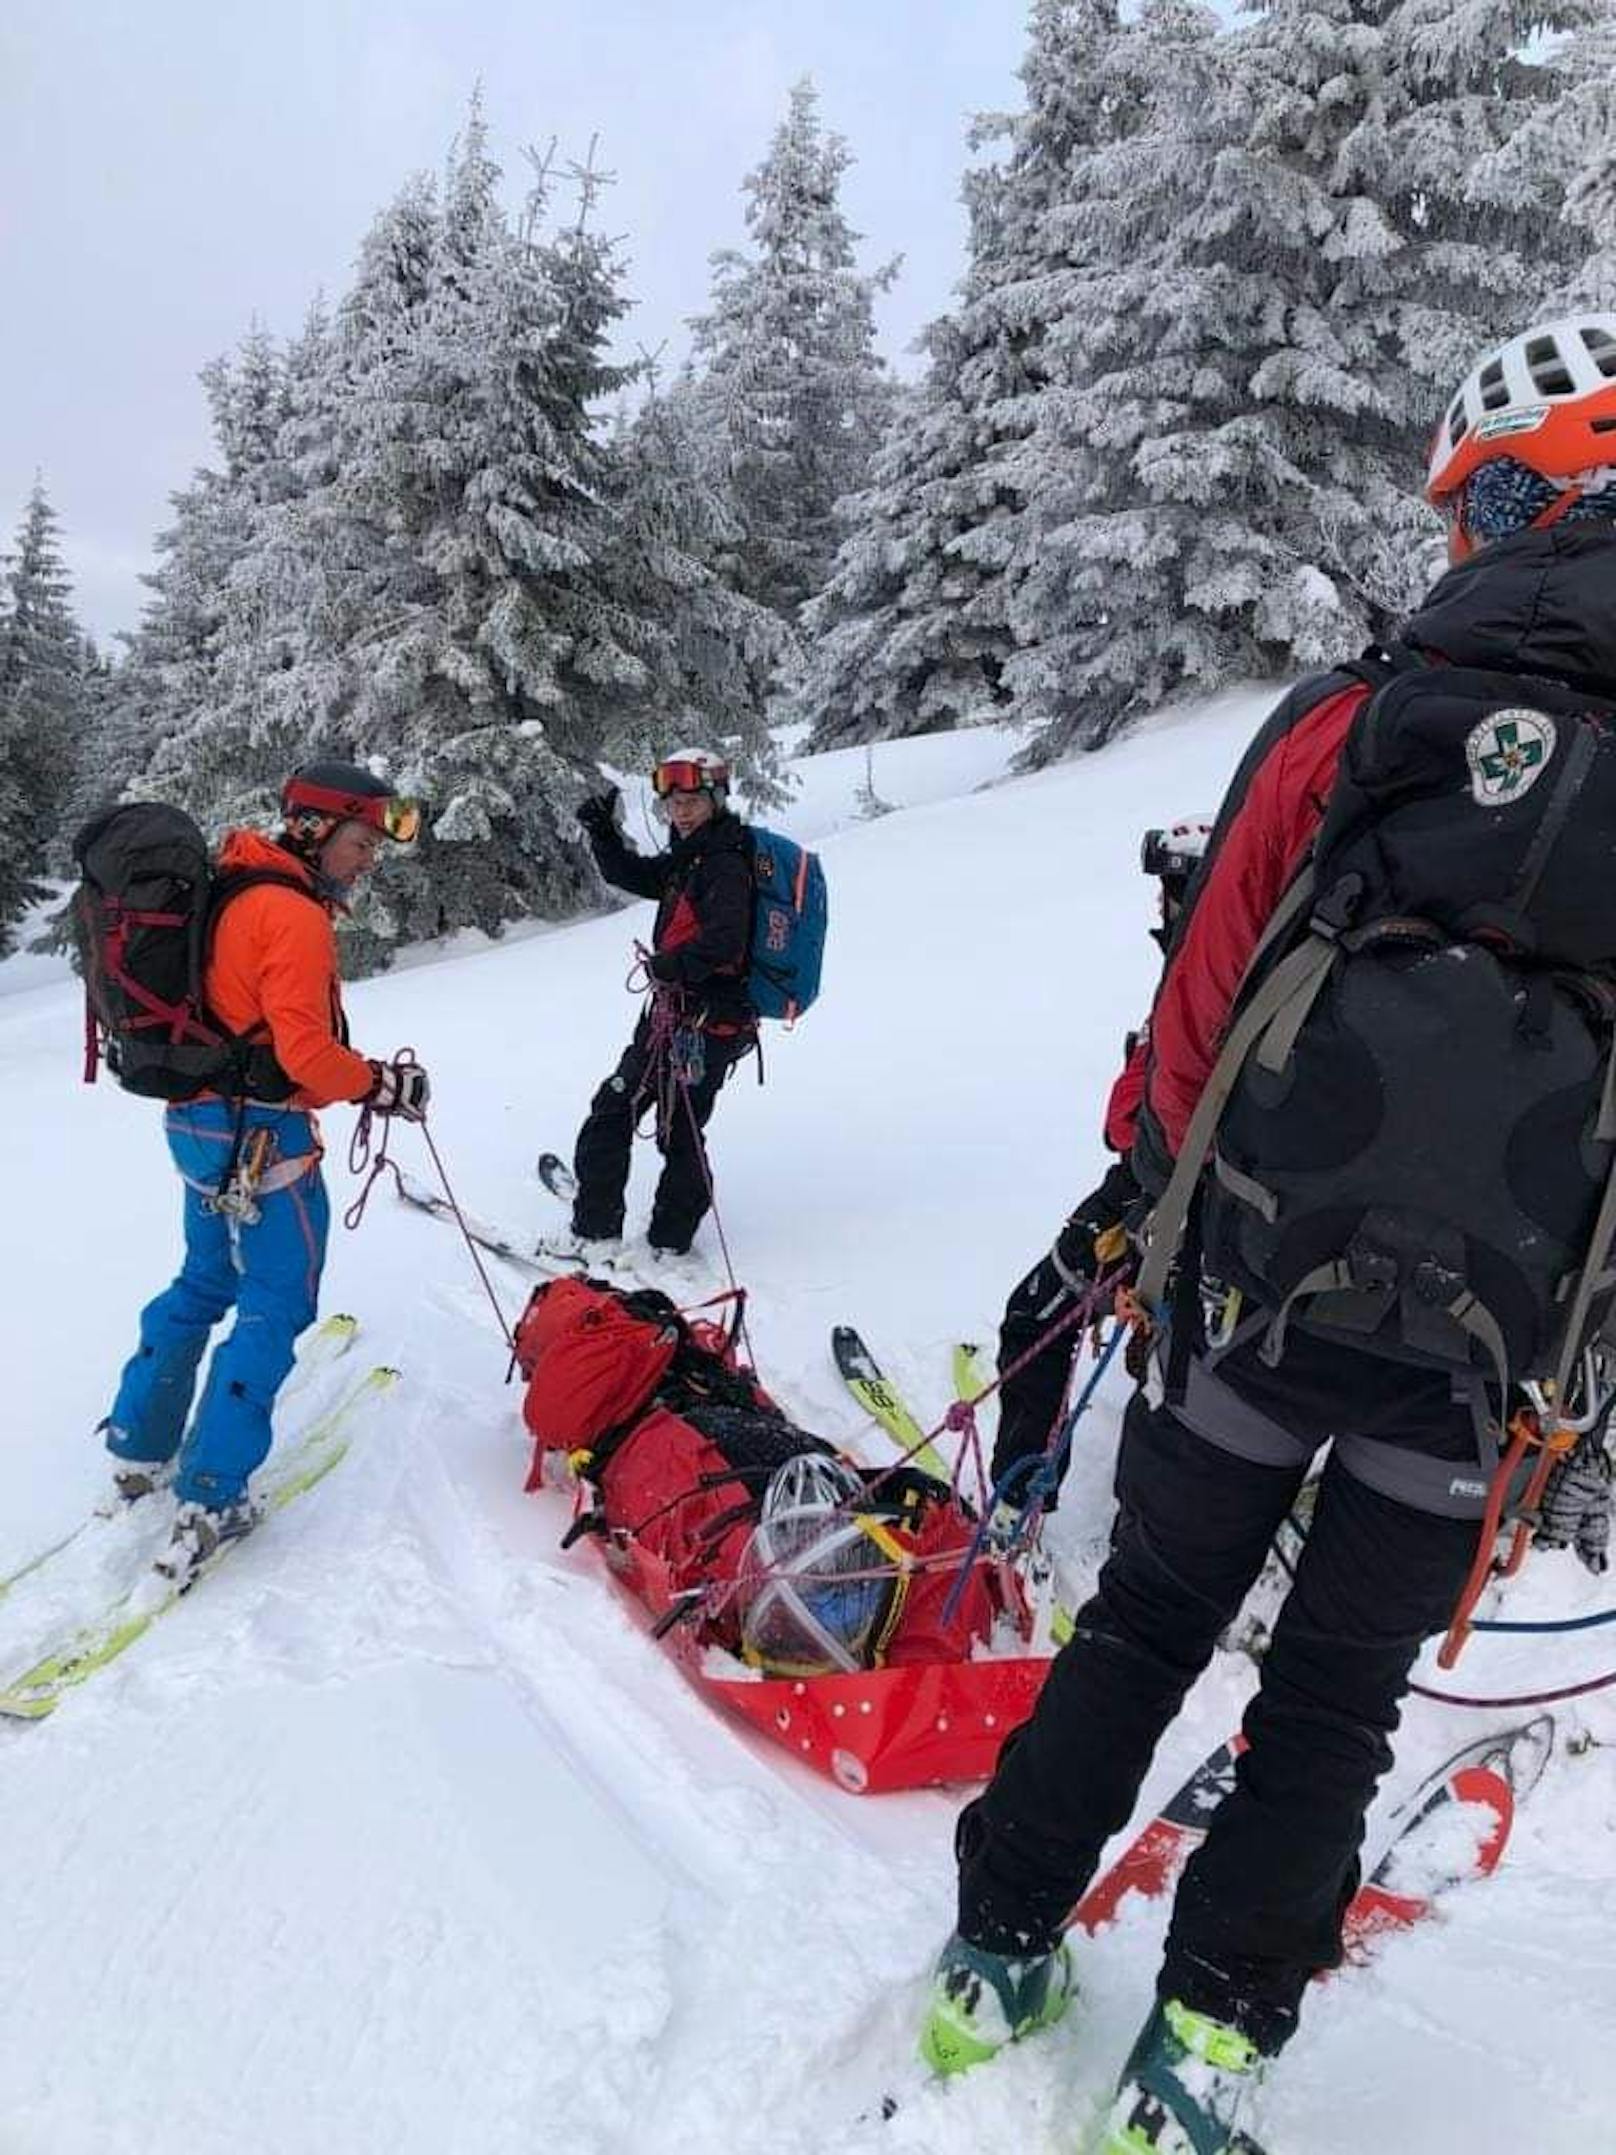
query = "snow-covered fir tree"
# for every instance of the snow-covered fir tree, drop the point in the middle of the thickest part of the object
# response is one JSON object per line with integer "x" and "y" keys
{"x": 167, "y": 706}
{"x": 1587, "y": 113}
{"x": 790, "y": 383}
{"x": 714, "y": 653}
{"x": 453, "y": 574}
{"x": 1309, "y": 228}
{"x": 43, "y": 704}
{"x": 913, "y": 629}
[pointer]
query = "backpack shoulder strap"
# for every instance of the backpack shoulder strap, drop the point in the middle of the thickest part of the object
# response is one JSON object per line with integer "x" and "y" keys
{"x": 236, "y": 881}
{"x": 1378, "y": 664}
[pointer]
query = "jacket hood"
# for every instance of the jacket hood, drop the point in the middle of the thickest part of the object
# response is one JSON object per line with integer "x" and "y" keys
{"x": 251, "y": 849}
{"x": 1542, "y": 602}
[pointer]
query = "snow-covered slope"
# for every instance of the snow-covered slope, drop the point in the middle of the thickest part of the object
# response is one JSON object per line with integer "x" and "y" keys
{"x": 400, "y": 1836}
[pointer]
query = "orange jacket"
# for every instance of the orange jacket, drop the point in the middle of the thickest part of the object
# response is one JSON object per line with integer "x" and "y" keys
{"x": 274, "y": 966}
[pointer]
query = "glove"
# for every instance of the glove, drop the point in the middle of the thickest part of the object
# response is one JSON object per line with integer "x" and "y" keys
{"x": 1575, "y": 1511}
{"x": 598, "y": 815}
{"x": 664, "y": 968}
{"x": 398, "y": 1089}
{"x": 1100, "y": 1216}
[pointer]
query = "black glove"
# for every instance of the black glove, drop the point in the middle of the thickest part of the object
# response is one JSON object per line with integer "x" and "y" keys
{"x": 1075, "y": 1255}
{"x": 398, "y": 1089}
{"x": 664, "y": 968}
{"x": 598, "y": 815}
{"x": 1575, "y": 1511}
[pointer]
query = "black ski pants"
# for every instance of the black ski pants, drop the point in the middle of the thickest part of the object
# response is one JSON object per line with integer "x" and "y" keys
{"x": 600, "y": 1159}
{"x": 1259, "y": 1907}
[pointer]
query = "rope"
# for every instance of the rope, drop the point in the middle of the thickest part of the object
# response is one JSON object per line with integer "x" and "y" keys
{"x": 1046, "y": 1467}
{"x": 475, "y": 1253}
{"x": 360, "y": 1158}
{"x": 1526, "y": 1698}
{"x": 718, "y": 1218}
{"x": 1298, "y": 1526}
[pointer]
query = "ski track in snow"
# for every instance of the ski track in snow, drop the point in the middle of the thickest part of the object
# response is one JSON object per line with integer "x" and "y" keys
{"x": 400, "y": 1834}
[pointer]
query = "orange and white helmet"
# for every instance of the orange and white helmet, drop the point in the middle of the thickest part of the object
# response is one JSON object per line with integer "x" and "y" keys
{"x": 1545, "y": 400}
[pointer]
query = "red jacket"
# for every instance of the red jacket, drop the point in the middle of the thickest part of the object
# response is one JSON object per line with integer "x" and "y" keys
{"x": 1267, "y": 824}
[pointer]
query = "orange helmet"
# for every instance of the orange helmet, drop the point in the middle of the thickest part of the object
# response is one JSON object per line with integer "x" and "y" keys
{"x": 1546, "y": 400}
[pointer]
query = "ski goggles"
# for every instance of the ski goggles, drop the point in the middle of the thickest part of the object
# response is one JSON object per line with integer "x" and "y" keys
{"x": 397, "y": 815}
{"x": 681, "y": 776}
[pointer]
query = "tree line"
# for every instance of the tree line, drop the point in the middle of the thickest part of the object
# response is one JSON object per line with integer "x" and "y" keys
{"x": 1218, "y": 280}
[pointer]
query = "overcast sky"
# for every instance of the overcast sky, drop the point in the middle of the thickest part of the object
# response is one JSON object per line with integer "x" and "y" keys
{"x": 172, "y": 169}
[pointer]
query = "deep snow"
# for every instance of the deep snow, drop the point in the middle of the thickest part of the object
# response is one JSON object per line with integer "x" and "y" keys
{"x": 400, "y": 1836}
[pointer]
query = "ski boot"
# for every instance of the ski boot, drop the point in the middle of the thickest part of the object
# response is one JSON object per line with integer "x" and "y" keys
{"x": 133, "y": 1479}
{"x": 681, "y": 1271}
{"x": 980, "y": 2001}
{"x": 1186, "y": 2081}
{"x": 200, "y": 1532}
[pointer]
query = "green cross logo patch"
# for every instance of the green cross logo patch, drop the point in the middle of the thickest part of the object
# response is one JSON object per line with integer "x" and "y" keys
{"x": 1507, "y": 754}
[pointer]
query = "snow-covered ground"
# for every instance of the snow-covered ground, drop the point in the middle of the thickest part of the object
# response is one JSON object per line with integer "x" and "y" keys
{"x": 400, "y": 1838}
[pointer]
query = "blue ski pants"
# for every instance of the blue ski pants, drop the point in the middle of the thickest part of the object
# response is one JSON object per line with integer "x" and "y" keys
{"x": 267, "y": 1271}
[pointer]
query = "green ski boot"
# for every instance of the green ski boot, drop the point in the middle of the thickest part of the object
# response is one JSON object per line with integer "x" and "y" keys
{"x": 1186, "y": 2081}
{"x": 980, "y": 2001}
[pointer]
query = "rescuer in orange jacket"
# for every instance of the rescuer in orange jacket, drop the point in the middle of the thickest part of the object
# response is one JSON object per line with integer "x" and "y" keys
{"x": 256, "y": 1211}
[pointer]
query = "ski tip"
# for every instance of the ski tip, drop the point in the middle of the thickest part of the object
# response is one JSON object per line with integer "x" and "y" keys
{"x": 18, "y": 1706}
{"x": 1527, "y": 1754}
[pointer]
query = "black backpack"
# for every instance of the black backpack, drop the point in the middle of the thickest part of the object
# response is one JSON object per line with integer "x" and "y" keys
{"x": 1407, "y": 1142}
{"x": 144, "y": 917}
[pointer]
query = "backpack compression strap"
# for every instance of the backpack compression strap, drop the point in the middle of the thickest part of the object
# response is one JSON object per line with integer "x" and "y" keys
{"x": 1298, "y": 976}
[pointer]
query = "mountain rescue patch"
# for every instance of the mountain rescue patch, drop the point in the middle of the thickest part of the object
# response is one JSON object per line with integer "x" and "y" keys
{"x": 1507, "y": 754}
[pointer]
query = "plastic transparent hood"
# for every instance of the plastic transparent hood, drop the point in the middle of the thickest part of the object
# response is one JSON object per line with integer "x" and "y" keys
{"x": 817, "y": 1586}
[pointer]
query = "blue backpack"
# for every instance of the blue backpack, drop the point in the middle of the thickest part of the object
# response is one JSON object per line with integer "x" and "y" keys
{"x": 789, "y": 914}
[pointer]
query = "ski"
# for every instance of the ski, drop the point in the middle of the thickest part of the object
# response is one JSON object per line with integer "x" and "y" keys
{"x": 501, "y": 1243}
{"x": 495, "y": 1240}
{"x": 1250, "y": 1632}
{"x": 1492, "y": 1775}
{"x": 863, "y": 1377}
{"x": 302, "y": 1462}
{"x": 971, "y": 1378}
{"x": 882, "y": 1401}
{"x": 329, "y": 1340}
{"x": 557, "y": 1177}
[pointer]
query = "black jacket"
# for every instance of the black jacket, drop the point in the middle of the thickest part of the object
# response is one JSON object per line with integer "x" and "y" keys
{"x": 1538, "y": 603}
{"x": 703, "y": 888}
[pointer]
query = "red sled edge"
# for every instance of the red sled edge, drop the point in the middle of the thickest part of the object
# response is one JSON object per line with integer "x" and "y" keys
{"x": 921, "y": 1725}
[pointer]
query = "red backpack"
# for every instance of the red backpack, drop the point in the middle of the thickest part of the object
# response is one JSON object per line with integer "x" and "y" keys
{"x": 592, "y": 1359}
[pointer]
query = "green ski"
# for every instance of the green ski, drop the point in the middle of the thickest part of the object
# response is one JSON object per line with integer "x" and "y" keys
{"x": 330, "y": 1339}
{"x": 306, "y": 1460}
{"x": 971, "y": 1379}
{"x": 862, "y": 1375}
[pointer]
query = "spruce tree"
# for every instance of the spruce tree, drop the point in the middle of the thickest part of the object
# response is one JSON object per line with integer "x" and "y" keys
{"x": 1308, "y": 229}
{"x": 42, "y": 705}
{"x": 791, "y": 383}
{"x": 1587, "y": 114}
{"x": 713, "y": 654}
{"x": 913, "y": 630}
